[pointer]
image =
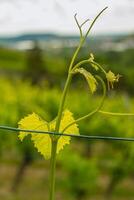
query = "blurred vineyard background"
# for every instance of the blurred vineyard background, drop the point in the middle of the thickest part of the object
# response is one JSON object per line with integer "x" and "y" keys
{"x": 33, "y": 70}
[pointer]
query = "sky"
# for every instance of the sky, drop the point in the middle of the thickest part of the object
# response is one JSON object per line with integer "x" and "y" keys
{"x": 24, "y": 16}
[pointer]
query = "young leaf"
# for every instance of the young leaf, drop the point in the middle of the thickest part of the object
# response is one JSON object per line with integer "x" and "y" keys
{"x": 43, "y": 141}
{"x": 91, "y": 56}
{"x": 91, "y": 60}
{"x": 89, "y": 78}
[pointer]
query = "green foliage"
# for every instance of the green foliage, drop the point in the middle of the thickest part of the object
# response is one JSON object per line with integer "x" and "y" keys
{"x": 22, "y": 98}
{"x": 80, "y": 181}
{"x": 12, "y": 60}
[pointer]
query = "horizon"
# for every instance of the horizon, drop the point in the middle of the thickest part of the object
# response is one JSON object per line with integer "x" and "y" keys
{"x": 64, "y": 34}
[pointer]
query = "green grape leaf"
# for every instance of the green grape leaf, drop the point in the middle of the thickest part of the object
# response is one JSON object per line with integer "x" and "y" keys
{"x": 89, "y": 78}
{"x": 43, "y": 141}
{"x": 34, "y": 122}
{"x": 67, "y": 119}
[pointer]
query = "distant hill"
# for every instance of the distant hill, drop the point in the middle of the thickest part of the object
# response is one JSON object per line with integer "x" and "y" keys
{"x": 50, "y": 40}
{"x": 50, "y": 36}
{"x": 36, "y": 36}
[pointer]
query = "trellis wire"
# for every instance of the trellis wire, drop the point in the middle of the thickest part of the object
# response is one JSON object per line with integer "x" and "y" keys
{"x": 91, "y": 137}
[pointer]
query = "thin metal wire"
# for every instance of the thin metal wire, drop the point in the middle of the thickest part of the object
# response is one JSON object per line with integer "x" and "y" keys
{"x": 91, "y": 137}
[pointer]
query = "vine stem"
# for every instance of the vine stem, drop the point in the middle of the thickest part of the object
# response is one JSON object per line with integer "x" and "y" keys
{"x": 115, "y": 114}
{"x": 52, "y": 169}
{"x": 99, "y": 66}
{"x": 62, "y": 102}
{"x": 82, "y": 40}
{"x": 81, "y": 63}
{"x": 54, "y": 142}
{"x": 61, "y": 107}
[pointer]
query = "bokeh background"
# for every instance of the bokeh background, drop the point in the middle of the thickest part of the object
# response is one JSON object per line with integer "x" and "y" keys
{"x": 37, "y": 41}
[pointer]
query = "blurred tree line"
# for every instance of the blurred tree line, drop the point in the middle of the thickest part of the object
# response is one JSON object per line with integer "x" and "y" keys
{"x": 119, "y": 62}
{"x": 51, "y": 66}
